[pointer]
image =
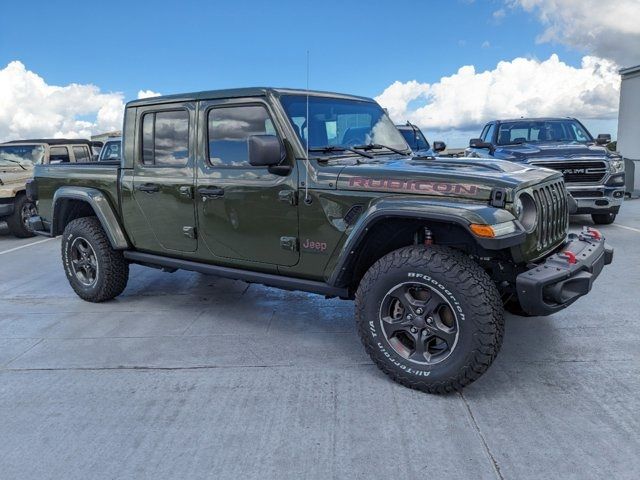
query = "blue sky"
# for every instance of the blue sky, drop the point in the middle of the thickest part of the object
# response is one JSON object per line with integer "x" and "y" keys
{"x": 357, "y": 47}
{"x": 360, "y": 47}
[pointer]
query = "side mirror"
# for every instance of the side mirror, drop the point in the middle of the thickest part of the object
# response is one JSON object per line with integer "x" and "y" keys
{"x": 439, "y": 146}
{"x": 603, "y": 139}
{"x": 479, "y": 143}
{"x": 265, "y": 150}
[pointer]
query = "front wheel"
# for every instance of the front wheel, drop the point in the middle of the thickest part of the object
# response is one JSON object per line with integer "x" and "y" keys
{"x": 95, "y": 271}
{"x": 430, "y": 318}
{"x": 19, "y": 222}
{"x": 603, "y": 218}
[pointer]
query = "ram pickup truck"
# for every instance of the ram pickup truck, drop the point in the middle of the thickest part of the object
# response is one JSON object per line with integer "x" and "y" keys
{"x": 593, "y": 175}
{"x": 319, "y": 192}
{"x": 17, "y": 159}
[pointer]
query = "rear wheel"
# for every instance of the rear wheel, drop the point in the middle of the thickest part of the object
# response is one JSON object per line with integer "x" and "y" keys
{"x": 603, "y": 218}
{"x": 430, "y": 318}
{"x": 18, "y": 222}
{"x": 95, "y": 271}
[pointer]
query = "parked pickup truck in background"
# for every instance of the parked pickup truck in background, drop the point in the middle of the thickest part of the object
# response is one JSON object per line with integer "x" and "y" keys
{"x": 17, "y": 160}
{"x": 111, "y": 150}
{"x": 594, "y": 175}
{"x": 418, "y": 142}
{"x": 320, "y": 192}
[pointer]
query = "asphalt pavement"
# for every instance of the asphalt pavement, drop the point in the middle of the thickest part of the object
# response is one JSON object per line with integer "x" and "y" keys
{"x": 189, "y": 376}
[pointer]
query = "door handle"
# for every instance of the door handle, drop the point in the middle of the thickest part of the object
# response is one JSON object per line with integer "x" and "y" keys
{"x": 148, "y": 187}
{"x": 211, "y": 192}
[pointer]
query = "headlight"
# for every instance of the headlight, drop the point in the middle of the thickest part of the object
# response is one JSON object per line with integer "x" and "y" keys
{"x": 526, "y": 211}
{"x": 616, "y": 165}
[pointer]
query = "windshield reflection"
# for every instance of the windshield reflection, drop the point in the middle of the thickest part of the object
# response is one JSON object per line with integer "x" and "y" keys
{"x": 336, "y": 122}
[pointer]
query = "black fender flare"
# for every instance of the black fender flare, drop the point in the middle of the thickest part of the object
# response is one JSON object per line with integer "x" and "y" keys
{"x": 459, "y": 213}
{"x": 103, "y": 209}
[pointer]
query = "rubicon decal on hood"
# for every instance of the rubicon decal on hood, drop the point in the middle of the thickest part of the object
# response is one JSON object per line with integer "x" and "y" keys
{"x": 414, "y": 186}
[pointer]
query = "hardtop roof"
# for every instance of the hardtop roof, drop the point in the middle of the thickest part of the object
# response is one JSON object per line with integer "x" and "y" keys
{"x": 51, "y": 141}
{"x": 532, "y": 119}
{"x": 238, "y": 93}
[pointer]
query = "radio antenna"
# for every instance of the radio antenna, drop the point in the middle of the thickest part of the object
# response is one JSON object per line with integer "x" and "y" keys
{"x": 307, "y": 198}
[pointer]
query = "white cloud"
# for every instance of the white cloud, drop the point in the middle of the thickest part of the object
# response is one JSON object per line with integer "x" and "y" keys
{"x": 486, "y": 44}
{"x": 499, "y": 15}
{"x": 148, "y": 94}
{"x": 29, "y": 107}
{"x": 521, "y": 87}
{"x": 608, "y": 29}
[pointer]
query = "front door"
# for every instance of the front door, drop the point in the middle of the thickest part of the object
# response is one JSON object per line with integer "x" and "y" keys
{"x": 245, "y": 213}
{"x": 164, "y": 178}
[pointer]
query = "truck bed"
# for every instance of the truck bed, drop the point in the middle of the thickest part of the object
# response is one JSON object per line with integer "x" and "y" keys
{"x": 103, "y": 176}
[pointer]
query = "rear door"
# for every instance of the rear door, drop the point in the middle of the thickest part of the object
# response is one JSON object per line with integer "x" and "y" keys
{"x": 81, "y": 153}
{"x": 164, "y": 176}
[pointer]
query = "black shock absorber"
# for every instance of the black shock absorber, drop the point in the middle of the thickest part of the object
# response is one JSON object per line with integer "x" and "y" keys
{"x": 428, "y": 238}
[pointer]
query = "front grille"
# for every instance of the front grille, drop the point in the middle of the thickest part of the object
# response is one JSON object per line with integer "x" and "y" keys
{"x": 579, "y": 171}
{"x": 587, "y": 194}
{"x": 553, "y": 213}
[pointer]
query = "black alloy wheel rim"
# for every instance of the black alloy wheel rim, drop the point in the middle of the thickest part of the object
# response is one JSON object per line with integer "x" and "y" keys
{"x": 84, "y": 262}
{"x": 419, "y": 323}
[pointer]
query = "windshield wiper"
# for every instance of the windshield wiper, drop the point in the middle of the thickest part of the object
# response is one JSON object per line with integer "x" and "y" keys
{"x": 15, "y": 161}
{"x": 377, "y": 146}
{"x": 335, "y": 148}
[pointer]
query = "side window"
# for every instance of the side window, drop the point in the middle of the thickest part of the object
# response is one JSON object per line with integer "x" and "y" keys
{"x": 111, "y": 151}
{"x": 229, "y": 129}
{"x": 489, "y": 133}
{"x": 81, "y": 154}
{"x": 165, "y": 138}
{"x": 483, "y": 135}
{"x": 58, "y": 155}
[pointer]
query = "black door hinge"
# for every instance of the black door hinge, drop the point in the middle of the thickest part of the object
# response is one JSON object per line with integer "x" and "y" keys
{"x": 189, "y": 232}
{"x": 289, "y": 243}
{"x": 289, "y": 196}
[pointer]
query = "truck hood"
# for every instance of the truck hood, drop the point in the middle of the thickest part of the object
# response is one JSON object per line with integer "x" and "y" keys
{"x": 552, "y": 151}
{"x": 469, "y": 178}
{"x": 13, "y": 179}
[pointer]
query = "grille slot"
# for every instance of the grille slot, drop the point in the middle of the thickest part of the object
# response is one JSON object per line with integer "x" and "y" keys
{"x": 579, "y": 171}
{"x": 587, "y": 194}
{"x": 553, "y": 213}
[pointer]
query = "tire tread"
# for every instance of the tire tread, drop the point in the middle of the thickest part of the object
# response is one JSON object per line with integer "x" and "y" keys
{"x": 472, "y": 281}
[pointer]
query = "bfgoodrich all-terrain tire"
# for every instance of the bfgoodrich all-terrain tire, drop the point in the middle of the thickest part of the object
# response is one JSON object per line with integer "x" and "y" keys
{"x": 95, "y": 271}
{"x": 603, "y": 218}
{"x": 430, "y": 318}
{"x": 17, "y": 222}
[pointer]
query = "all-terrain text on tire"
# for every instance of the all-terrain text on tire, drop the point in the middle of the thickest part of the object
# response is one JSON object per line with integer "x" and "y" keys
{"x": 430, "y": 318}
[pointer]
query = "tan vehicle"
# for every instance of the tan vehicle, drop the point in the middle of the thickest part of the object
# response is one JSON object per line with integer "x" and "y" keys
{"x": 17, "y": 160}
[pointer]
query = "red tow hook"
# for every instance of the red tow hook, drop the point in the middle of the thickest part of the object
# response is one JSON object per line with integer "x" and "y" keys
{"x": 595, "y": 233}
{"x": 571, "y": 257}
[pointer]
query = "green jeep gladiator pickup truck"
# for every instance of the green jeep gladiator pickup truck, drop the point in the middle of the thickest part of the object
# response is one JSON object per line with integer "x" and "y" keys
{"x": 319, "y": 192}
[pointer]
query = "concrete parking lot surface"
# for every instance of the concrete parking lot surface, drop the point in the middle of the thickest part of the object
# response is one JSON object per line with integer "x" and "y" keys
{"x": 188, "y": 376}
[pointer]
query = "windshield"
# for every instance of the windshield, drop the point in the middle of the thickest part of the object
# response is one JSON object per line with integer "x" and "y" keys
{"x": 341, "y": 123}
{"x": 415, "y": 139}
{"x": 511, "y": 133}
{"x": 21, "y": 154}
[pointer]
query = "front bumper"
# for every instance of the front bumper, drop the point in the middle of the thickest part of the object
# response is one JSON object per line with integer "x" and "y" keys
{"x": 564, "y": 277}
{"x": 597, "y": 199}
